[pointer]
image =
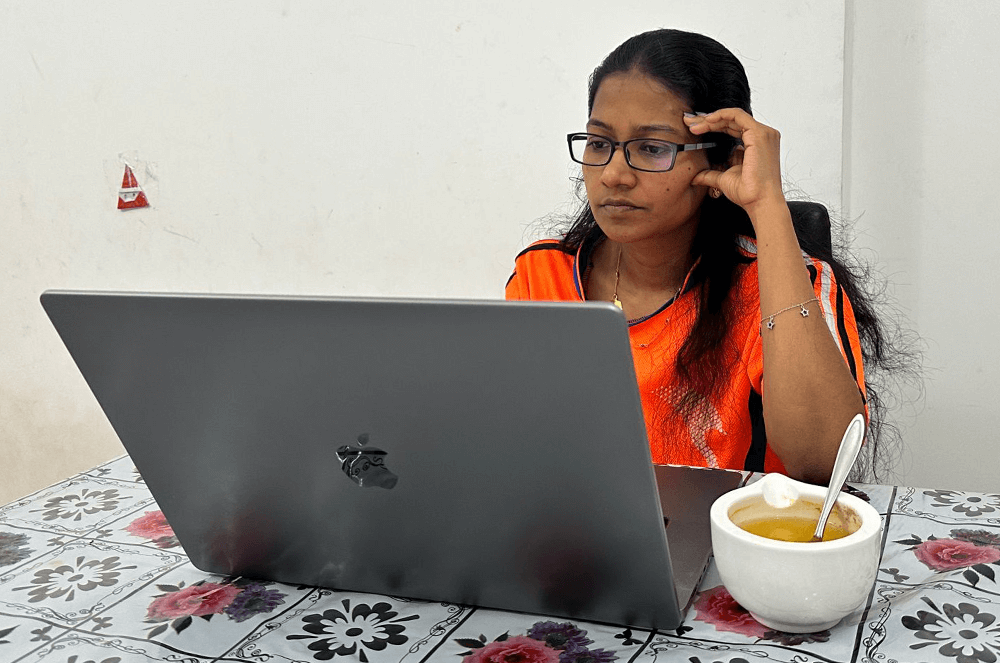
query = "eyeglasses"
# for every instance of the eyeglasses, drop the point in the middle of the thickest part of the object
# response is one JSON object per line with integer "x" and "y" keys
{"x": 645, "y": 154}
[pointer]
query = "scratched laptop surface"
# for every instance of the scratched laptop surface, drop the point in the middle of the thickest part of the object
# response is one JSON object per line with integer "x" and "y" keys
{"x": 488, "y": 453}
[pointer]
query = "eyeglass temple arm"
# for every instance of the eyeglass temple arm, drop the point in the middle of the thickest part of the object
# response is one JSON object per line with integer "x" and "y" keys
{"x": 684, "y": 147}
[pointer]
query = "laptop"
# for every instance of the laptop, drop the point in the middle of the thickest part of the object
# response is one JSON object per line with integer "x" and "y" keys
{"x": 489, "y": 453}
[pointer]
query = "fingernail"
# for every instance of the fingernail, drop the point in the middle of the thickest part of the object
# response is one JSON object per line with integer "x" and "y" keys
{"x": 689, "y": 115}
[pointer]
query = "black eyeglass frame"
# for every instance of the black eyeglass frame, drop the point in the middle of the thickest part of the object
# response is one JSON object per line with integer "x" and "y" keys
{"x": 615, "y": 144}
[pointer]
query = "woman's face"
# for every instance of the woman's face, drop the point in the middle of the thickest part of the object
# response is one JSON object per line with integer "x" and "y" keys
{"x": 631, "y": 205}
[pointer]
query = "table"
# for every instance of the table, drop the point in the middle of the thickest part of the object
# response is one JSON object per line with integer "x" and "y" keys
{"x": 91, "y": 573}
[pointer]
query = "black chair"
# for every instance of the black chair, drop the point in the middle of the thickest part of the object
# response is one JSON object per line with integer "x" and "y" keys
{"x": 812, "y": 226}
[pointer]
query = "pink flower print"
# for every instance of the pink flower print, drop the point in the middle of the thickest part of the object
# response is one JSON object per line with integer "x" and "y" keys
{"x": 717, "y": 607}
{"x": 153, "y": 526}
{"x": 516, "y": 649}
{"x": 196, "y": 601}
{"x": 951, "y": 554}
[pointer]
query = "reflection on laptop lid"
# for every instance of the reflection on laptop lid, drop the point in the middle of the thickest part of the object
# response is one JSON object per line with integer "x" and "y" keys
{"x": 491, "y": 453}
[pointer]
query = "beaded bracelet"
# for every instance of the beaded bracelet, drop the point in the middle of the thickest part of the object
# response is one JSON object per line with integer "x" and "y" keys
{"x": 801, "y": 307}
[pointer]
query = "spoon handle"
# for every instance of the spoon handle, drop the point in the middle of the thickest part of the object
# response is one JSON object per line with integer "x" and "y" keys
{"x": 850, "y": 446}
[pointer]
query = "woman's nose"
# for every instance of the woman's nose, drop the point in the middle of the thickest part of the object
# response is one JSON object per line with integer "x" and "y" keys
{"x": 617, "y": 172}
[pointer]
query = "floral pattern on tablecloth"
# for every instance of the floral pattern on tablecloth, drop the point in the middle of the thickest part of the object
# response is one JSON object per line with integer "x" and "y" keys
{"x": 14, "y": 548}
{"x": 90, "y": 572}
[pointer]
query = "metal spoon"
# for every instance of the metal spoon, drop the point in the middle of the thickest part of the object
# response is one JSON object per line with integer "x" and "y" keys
{"x": 850, "y": 446}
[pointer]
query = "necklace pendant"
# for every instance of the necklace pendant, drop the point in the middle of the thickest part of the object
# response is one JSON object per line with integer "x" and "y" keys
{"x": 617, "y": 302}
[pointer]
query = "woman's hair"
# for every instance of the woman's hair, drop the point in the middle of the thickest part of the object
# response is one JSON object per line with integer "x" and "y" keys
{"x": 707, "y": 76}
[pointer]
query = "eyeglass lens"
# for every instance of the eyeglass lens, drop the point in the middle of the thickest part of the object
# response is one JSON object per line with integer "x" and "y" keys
{"x": 647, "y": 154}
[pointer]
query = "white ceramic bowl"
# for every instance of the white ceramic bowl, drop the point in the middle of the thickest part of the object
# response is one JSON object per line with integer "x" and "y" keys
{"x": 788, "y": 586}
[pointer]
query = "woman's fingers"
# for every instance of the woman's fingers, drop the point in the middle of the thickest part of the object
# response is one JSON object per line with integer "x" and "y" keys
{"x": 733, "y": 121}
{"x": 753, "y": 172}
{"x": 707, "y": 178}
{"x": 727, "y": 181}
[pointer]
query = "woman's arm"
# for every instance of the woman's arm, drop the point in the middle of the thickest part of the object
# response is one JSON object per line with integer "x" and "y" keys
{"x": 809, "y": 394}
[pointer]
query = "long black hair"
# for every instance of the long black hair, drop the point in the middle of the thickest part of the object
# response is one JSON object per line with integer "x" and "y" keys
{"x": 707, "y": 76}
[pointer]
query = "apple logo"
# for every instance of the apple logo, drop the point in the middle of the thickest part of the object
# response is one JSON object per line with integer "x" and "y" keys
{"x": 365, "y": 465}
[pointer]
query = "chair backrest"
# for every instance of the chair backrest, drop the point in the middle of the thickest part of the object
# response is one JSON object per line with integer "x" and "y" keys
{"x": 812, "y": 226}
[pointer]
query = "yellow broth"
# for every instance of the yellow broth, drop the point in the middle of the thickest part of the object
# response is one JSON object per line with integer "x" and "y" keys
{"x": 793, "y": 528}
{"x": 796, "y": 522}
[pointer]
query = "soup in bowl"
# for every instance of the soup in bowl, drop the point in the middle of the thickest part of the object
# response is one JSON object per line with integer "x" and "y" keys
{"x": 761, "y": 540}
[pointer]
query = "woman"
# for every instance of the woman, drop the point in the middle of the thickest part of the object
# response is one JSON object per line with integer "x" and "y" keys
{"x": 736, "y": 333}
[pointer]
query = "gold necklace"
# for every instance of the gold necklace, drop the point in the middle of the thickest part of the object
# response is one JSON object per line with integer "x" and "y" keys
{"x": 618, "y": 275}
{"x": 617, "y": 302}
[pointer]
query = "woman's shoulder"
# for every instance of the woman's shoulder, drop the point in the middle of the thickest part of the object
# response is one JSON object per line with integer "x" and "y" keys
{"x": 544, "y": 270}
{"x": 545, "y": 255}
{"x": 552, "y": 248}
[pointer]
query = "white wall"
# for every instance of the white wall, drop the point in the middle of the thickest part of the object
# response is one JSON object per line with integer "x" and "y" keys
{"x": 362, "y": 147}
{"x": 920, "y": 153}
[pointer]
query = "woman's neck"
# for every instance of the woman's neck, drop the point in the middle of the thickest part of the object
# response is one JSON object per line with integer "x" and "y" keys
{"x": 642, "y": 275}
{"x": 643, "y": 268}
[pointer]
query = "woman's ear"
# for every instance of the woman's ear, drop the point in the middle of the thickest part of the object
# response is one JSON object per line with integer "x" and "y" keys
{"x": 721, "y": 167}
{"x": 736, "y": 156}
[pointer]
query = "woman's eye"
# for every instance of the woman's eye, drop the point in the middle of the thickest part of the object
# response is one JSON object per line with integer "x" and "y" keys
{"x": 654, "y": 149}
{"x": 597, "y": 144}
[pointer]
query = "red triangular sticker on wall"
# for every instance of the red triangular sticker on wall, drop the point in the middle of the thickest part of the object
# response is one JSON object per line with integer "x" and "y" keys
{"x": 131, "y": 195}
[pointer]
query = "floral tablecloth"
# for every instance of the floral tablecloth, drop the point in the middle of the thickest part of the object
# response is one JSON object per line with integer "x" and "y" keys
{"x": 91, "y": 573}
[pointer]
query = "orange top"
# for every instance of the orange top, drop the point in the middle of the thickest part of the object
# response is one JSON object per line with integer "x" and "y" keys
{"x": 726, "y": 430}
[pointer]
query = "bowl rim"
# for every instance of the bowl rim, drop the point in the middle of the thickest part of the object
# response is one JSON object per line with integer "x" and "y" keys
{"x": 870, "y": 525}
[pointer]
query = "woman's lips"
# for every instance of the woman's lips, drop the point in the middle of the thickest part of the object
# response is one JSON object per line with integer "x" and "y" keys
{"x": 619, "y": 206}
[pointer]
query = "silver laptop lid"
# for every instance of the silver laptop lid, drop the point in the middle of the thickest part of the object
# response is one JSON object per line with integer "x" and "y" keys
{"x": 487, "y": 452}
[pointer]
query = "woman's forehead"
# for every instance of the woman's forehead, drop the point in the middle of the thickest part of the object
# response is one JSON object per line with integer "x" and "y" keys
{"x": 633, "y": 101}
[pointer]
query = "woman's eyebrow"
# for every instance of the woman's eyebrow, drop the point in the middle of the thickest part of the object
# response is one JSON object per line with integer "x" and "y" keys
{"x": 598, "y": 124}
{"x": 646, "y": 128}
{"x": 666, "y": 128}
